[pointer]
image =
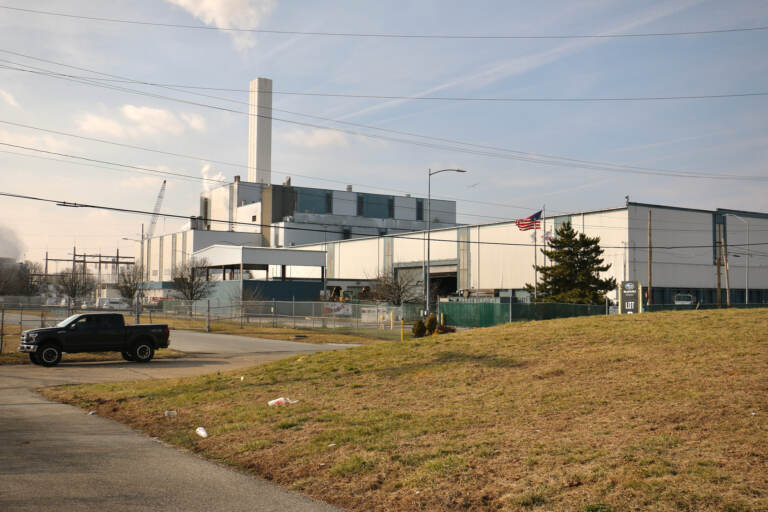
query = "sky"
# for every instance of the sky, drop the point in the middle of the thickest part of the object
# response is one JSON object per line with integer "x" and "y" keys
{"x": 727, "y": 136}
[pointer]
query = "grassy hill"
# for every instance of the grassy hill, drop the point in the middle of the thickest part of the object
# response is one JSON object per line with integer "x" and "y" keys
{"x": 662, "y": 411}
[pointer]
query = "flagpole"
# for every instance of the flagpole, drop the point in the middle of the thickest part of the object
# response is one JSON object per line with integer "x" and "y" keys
{"x": 535, "y": 259}
{"x": 544, "y": 229}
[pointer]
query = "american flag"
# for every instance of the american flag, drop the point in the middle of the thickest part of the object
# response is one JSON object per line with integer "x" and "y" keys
{"x": 529, "y": 223}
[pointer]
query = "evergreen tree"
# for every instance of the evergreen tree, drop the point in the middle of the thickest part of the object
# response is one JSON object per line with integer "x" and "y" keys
{"x": 573, "y": 274}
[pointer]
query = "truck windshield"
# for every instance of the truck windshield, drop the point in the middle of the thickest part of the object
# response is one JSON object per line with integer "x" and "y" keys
{"x": 66, "y": 321}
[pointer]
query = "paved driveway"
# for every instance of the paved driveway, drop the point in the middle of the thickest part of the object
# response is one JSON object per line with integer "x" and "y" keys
{"x": 56, "y": 457}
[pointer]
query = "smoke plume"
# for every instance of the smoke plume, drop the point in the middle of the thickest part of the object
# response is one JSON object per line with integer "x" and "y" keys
{"x": 209, "y": 175}
{"x": 10, "y": 245}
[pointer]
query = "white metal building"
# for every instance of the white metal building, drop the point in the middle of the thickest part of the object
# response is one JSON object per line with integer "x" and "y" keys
{"x": 488, "y": 258}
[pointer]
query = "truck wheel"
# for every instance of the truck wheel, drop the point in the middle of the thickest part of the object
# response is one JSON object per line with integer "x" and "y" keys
{"x": 49, "y": 355}
{"x": 142, "y": 352}
{"x": 127, "y": 356}
{"x": 34, "y": 358}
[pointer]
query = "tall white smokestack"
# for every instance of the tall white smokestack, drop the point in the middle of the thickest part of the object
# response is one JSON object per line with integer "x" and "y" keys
{"x": 260, "y": 131}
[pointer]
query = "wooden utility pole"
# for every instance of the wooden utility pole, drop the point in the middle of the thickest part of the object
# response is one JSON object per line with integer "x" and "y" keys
{"x": 719, "y": 251}
{"x": 74, "y": 263}
{"x": 724, "y": 248}
{"x": 650, "y": 262}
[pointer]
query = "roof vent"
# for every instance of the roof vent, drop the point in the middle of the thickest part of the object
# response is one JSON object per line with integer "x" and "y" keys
{"x": 349, "y": 188}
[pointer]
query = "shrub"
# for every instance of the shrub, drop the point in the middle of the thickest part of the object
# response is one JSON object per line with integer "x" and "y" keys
{"x": 431, "y": 323}
{"x": 418, "y": 329}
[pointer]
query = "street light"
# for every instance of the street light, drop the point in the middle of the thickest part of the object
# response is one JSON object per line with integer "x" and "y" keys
{"x": 746, "y": 279}
{"x": 429, "y": 227}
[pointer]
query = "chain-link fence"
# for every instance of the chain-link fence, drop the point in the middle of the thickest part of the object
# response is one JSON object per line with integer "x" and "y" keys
{"x": 287, "y": 314}
{"x": 206, "y": 315}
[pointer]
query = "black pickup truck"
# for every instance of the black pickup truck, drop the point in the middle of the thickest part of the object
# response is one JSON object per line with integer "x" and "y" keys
{"x": 98, "y": 332}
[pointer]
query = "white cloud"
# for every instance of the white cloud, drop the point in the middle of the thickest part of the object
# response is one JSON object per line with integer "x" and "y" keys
{"x": 226, "y": 14}
{"x": 46, "y": 142}
{"x": 143, "y": 182}
{"x": 523, "y": 64}
{"x": 196, "y": 122}
{"x": 315, "y": 138}
{"x": 135, "y": 122}
{"x": 100, "y": 125}
{"x": 151, "y": 121}
{"x": 9, "y": 99}
{"x": 208, "y": 174}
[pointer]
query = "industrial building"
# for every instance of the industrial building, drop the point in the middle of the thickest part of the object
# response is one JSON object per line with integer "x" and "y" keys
{"x": 363, "y": 236}
{"x": 498, "y": 258}
{"x": 257, "y": 213}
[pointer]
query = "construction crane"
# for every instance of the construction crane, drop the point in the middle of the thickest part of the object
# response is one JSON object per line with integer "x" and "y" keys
{"x": 156, "y": 212}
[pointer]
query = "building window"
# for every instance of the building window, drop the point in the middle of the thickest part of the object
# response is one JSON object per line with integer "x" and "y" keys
{"x": 382, "y": 232}
{"x": 375, "y": 206}
{"x": 253, "y": 219}
{"x": 419, "y": 209}
{"x": 346, "y": 234}
{"x": 309, "y": 200}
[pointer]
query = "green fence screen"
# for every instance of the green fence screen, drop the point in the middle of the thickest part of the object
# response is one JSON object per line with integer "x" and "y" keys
{"x": 465, "y": 314}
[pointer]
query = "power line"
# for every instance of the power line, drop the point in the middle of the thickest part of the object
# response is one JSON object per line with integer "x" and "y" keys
{"x": 413, "y": 236}
{"x": 499, "y": 219}
{"x": 221, "y": 162}
{"x": 539, "y": 159}
{"x": 149, "y": 171}
{"x": 136, "y": 167}
{"x": 388, "y": 35}
{"x": 429, "y": 98}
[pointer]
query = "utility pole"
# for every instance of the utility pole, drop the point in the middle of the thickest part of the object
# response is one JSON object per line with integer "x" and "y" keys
{"x": 98, "y": 292}
{"x": 724, "y": 248}
{"x": 719, "y": 251}
{"x": 74, "y": 263}
{"x": 650, "y": 262}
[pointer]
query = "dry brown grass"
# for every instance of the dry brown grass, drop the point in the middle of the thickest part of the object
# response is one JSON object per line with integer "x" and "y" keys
{"x": 12, "y": 356}
{"x": 662, "y": 411}
{"x": 318, "y": 336}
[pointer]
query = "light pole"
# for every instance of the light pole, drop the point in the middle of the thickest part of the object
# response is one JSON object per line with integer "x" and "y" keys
{"x": 746, "y": 278}
{"x": 429, "y": 227}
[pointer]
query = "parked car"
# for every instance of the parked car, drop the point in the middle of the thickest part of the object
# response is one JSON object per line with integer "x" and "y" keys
{"x": 94, "y": 332}
{"x": 684, "y": 299}
{"x": 113, "y": 304}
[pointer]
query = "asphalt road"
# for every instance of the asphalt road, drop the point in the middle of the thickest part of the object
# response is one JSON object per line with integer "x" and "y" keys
{"x": 57, "y": 457}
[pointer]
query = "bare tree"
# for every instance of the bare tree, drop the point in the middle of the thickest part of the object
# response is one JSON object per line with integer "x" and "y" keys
{"x": 29, "y": 279}
{"x": 189, "y": 280}
{"x": 8, "y": 273}
{"x": 397, "y": 288}
{"x": 75, "y": 285}
{"x": 129, "y": 281}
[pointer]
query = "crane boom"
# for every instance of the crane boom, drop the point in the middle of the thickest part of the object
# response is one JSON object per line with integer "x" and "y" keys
{"x": 156, "y": 211}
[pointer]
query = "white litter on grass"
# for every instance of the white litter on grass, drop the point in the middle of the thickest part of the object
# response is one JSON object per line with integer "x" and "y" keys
{"x": 331, "y": 445}
{"x": 281, "y": 401}
{"x": 242, "y": 378}
{"x": 170, "y": 414}
{"x": 201, "y": 432}
{"x": 753, "y": 414}
{"x": 91, "y": 413}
